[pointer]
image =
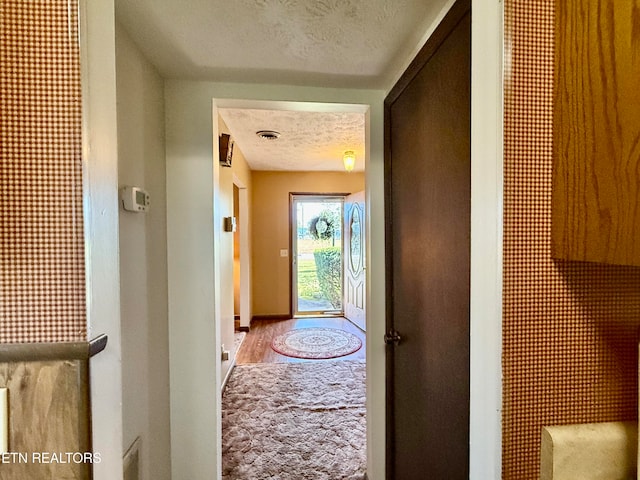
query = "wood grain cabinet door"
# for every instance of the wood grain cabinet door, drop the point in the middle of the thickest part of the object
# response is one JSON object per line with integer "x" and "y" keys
{"x": 596, "y": 128}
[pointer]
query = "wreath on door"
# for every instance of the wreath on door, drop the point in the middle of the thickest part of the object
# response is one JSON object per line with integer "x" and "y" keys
{"x": 323, "y": 226}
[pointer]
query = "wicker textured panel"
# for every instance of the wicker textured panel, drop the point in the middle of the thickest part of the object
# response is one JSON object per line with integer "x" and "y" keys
{"x": 570, "y": 329}
{"x": 42, "y": 285}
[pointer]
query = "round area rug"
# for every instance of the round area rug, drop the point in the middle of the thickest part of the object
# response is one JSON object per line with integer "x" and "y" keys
{"x": 316, "y": 343}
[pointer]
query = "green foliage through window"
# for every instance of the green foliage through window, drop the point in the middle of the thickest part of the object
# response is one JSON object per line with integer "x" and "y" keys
{"x": 329, "y": 271}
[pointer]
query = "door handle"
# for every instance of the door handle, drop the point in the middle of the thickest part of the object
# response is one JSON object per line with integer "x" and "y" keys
{"x": 392, "y": 337}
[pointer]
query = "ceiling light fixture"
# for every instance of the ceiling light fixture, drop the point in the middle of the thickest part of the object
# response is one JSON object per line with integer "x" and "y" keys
{"x": 349, "y": 160}
{"x": 268, "y": 134}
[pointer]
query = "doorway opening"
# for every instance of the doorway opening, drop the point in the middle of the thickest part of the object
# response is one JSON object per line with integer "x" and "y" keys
{"x": 316, "y": 254}
{"x": 278, "y": 257}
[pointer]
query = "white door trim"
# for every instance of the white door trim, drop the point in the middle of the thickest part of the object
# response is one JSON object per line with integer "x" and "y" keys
{"x": 245, "y": 252}
{"x": 486, "y": 240}
{"x": 100, "y": 202}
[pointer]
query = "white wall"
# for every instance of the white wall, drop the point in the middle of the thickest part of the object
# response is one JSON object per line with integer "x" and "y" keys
{"x": 143, "y": 263}
{"x": 191, "y": 122}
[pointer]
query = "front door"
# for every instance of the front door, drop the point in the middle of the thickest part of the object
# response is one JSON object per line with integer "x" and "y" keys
{"x": 316, "y": 245}
{"x": 427, "y": 170}
{"x": 354, "y": 259}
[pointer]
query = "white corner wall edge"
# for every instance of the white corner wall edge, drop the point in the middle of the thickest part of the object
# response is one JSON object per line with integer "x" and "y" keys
{"x": 192, "y": 309}
{"x": 591, "y": 451}
{"x": 485, "y": 449}
{"x": 100, "y": 205}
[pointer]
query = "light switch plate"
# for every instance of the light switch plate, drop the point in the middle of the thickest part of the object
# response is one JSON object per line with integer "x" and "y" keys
{"x": 284, "y": 252}
{"x": 4, "y": 420}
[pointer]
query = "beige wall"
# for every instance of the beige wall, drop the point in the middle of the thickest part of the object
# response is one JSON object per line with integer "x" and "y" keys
{"x": 270, "y": 229}
{"x": 143, "y": 260}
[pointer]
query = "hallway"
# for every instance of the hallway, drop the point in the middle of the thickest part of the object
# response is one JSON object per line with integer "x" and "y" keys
{"x": 289, "y": 418}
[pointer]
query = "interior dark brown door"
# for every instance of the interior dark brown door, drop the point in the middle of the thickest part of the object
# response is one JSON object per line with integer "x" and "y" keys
{"x": 428, "y": 183}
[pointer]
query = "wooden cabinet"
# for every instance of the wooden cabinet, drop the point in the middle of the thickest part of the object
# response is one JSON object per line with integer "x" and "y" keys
{"x": 596, "y": 131}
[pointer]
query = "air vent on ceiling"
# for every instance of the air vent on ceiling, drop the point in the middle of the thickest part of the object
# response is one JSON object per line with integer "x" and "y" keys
{"x": 268, "y": 134}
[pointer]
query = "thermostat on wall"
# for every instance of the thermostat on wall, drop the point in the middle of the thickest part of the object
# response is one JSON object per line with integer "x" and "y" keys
{"x": 135, "y": 199}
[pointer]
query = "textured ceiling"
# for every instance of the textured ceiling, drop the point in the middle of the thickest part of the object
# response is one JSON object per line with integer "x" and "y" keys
{"x": 325, "y": 43}
{"x": 345, "y": 43}
{"x": 309, "y": 140}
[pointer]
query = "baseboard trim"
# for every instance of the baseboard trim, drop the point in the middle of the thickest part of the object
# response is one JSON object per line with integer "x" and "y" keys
{"x": 279, "y": 316}
{"x": 228, "y": 375}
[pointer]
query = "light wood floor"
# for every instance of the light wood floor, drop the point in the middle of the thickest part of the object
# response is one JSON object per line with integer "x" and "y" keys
{"x": 256, "y": 347}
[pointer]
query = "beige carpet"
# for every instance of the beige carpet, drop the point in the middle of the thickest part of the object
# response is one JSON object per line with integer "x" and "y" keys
{"x": 295, "y": 421}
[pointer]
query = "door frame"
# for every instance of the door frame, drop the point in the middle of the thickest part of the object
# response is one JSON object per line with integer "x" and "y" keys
{"x": 293, "y": 304}
{"x": 245, "y": 253}
{"x": 191, "y": 111}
